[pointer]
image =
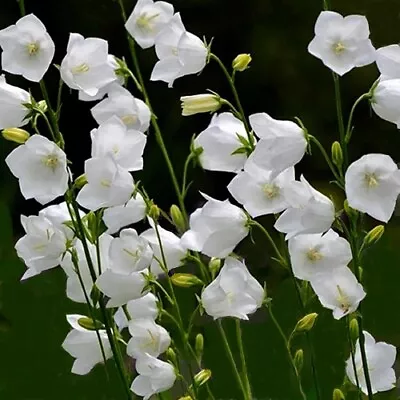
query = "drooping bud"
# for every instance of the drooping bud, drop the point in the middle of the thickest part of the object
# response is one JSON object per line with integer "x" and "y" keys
{"x": 338, "y": 395}
{"x": 80, "y": 181}
{"x": 154, "y": 212}
{"x": 200, "y": 103}
{"x": 354, "y": 329}
{"x": 177, "y": 218}
{"x": 199, "y": 346}
{"x": 89, "y": 324}
{"x": 171, "y": 355}
{"x": 241, "y": 62}
{"x": 202, "y": 377}
{"x": 299, "y": 359}
{"x": 185, "y": 280}
{"x": 16, "y": 135}
{"x": 337, "y": 154}
{"x": 306, "y": 323}
{"x": 374, "y": 235}
{"x": 214, "y": 266}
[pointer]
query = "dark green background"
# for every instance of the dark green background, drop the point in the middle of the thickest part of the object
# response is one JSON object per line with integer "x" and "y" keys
{"x": 285, "y": 81}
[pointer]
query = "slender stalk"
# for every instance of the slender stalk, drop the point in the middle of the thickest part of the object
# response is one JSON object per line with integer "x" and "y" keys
{"x": 236, "y": 96}
{"x": 154, "y": 123}
{"x": 350, "y": 121}
{"x": 339, "y": 111}
{"x": 21, "y": 4}
{"x": 287, "y": 346}
{"x": 232, "y": 360}
{"x": 245, "y": 374}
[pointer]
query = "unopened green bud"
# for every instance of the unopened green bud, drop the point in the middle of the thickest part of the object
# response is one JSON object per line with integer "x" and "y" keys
{"x": 299, "y": 359}
{"x": 374, "y": 235}
{"x": 351, "y": 212}
{"x": 306, "y": 323}
{"x": 42, "y": 105}
{"x": 214, "y": 266}
{"x": 241, "y": 62}
{"x": 80, "y": 181}
{"x": 154, "y": 212}
{"x": 185, "y": 280}
{"x": 202, "y": 377}
{"x": 354, "y": 329}
{"x": 200, "y": 103}
{"x": 171, "y": 355}
{"x": 199, "y": 346}
{"x": 337, "y": 154}
{"x": 16, "y": 135}
{"x": 89, "y": 324}
{"x": 186, "y": 398}
{"x": 177, "y": 218}
{"x": 338, "y": 395}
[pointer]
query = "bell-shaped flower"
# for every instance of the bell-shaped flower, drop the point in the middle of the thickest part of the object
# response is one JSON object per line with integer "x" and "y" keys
{"x": 386, "y": 101}
{"x": 155, "y": 376}
{"x": 342, "y": 43}
{"x": 75, "y": 291}
{"x": 108, "y": 184}
{"x": 43, "y": 245}
{"x": 145, "y": 307}
{"x": 147, "y": 337}
{"x": 118, "y": 81}
{"x": 216, "y": 228}
{"x": 260, "y": 191}
{"x": 147, "y": 20}
{"x": 118, "y": 217}
{"x": 126, "y": 146}
{"x": 180, "y": 53}
{"x": 41, "y": 168}
{"x": 84, "y": 346}
{"x": 373, "y": 185}
{"x": 234, "y": 293}
{"x": 381, "y": 357}
{"x": 388, "y": 62}
{"x": 219, "y": 142}
{"x": 133, "y": 112}
{"x": 171, "y": 244}
{"x": 130, "y": 252}
{"x": 13, "y": 113}
{"x": 282, "y": 143}
{"x": 339, "y": 291}
{"x": 86, "y": 66}
{"x": 27, "y": 48}
{"x": 318, "y": 253}
{"x": 310, "y": 211}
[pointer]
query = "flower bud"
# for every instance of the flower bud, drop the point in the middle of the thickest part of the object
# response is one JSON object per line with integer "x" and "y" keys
{"x": 199, "y": 346}
{"x": 306, "y": 323}
{"x": 338, "y": 395}
{"x": 202, "y": 377}
{"x": 299, "y": 359}
{"x": 80, "y": 181}
{"x": 354, "y": 329}
{"x": 171, "y": 355}
{"x": 200, "y": 103}
{"x": 337, "y": 154}
{"x": 16, "y": 135}
{"x": 374, "y": 235}
{"x": 186, "y": 398}
{"x": 42, "y": 105}
{"x": 241, "y": 62}
{"x": 89, "y": 324}
{"x": 214, "y": 266}
{"x": 154, "y": 212}
{"x": 185, "y": 280}
{"x": 177, "y": 218}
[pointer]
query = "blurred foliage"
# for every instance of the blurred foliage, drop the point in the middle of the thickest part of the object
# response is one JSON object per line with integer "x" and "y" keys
{"x": 285, "y": 81}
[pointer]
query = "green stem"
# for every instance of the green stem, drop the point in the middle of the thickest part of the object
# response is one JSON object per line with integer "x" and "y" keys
{"x": 232, "y": 360}
{"x": 287, "y": 346}
{"x": 339, "y": 111}
{"x": 185, "y": 171}
{"x": 353, "y": 360}
{"x": 245, "y": 374}
{"x": 21, "y": 4}
{"x": 349, "y": 129}
{"x": 236, "y": 97}
{"x": 154, "y": 123}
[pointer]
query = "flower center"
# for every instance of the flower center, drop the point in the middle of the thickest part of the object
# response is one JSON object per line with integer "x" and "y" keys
{"x": 115, "y": 149}
{"x": 174, "y": 51}
{"x": 129, "y": 119}
{"x": 270, "y": 190}
{"x": 339, "y": 48}
{"x": 144, "y": 21}
{"x": 33, "y": 48}
{"x": 314, "y": 255}
{"x": 343, "y": 300}
{"x": 50, "y": 161}
{"x": 134, "y": 254}
{"x": 80, "y": 69}
{"x": 105, "y": 183}
{"x": 371, "y": 180}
